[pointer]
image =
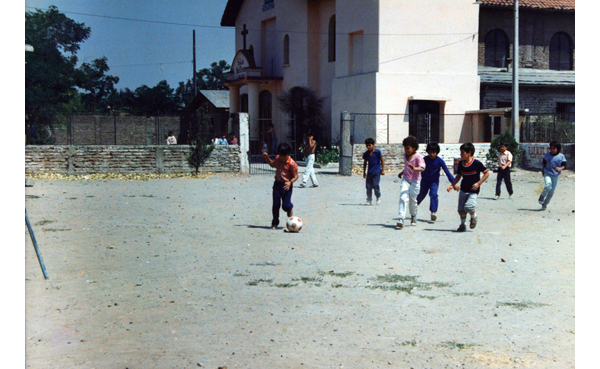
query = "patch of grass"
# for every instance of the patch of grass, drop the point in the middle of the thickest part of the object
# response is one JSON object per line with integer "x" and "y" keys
{"x": 238, "y": 274}
{"x": 55, "y": 230}
{"x": 44, "y": 222}
{"x": 71, "y": 198}
{"x": 339, "y": 275}
{"x": 522, "y": 305}
{"x": 309, "y": 279}
{"x": 472, "y": 294}
{"x": 266, "y": 263}
{"x": 412, "y": 343}
{"x": 457, "y": 345}
{"x": 395, "y": 278}
{"x": 337, "y": 285}
{"x": 285, "y": 285}
{"x": 32, "y": 197}
{"x": 148, "y": 196}
{"x": 427, "y": 297}
{"x": 257, "y": 281}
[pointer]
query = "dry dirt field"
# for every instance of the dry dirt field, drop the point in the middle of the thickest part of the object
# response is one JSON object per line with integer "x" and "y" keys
{"x": 186, "y": 273}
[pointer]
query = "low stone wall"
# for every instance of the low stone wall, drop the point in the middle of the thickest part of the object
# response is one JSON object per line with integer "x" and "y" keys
{"x": 125, "y": 159}
{"x": 393, "y": 154}
{"x": 533, "y": 153}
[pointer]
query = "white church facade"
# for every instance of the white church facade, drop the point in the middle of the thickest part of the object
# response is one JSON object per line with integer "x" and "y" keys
{"x": 388, "y": 57}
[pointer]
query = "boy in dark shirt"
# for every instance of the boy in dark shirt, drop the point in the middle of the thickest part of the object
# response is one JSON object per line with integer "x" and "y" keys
{"x": 469, "y": 169}
{"x": 430, "y": 178}
{"x": 373, "y": 158}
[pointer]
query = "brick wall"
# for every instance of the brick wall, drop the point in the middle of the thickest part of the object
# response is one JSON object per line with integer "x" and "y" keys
{"x": 125, "y": 159}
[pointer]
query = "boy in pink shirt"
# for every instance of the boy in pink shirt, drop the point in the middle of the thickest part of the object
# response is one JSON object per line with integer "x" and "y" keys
{"x": 410, "y": 186}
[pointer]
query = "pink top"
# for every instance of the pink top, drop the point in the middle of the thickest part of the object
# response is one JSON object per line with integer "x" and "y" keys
{"x": 418, "y": 162}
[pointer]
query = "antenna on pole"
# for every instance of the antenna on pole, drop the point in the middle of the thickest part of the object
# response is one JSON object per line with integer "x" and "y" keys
{"x": 194, "y": 66}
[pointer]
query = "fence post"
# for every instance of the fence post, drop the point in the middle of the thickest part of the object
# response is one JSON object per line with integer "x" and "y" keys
{"x": 244, "y": 137}
{"x": 345, "y": 145}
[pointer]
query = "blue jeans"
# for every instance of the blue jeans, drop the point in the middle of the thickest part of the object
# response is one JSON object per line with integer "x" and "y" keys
{"x": 281, "y": 198}
{"x": 432, "y": 187}
{"x": 373, "y": 185}
{"x": 550, "y": 183}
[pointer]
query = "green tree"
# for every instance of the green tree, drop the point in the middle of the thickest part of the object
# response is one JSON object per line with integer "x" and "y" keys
{"x": 200, "y": 148}
{"x": 92, "y": 78}
{"x": 513, "y": 147}
{"x": 212, "y": 78}
{"x": 50, "y": 68}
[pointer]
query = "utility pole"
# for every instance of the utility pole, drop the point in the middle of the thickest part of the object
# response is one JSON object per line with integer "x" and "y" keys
{"x": 515, "y": 77}
{"x": 194, "y": 71}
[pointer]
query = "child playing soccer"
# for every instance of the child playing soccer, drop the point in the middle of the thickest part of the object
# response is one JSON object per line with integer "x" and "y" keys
{"x": 285, "y": 175}
{"x": 469, "y": 169}
{"x": 430, "y": 178}
{"x": 554, "y": 162}
{"x": 411, "y": 181}
{"x": 504, "y": 163}
{"x": 373, "y": 158}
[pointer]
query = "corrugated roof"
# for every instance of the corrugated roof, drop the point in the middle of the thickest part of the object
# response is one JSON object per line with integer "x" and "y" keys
{"x": 537, "y": 4}
{"x": 219, "y": 98}
{"x": 530, "y": 77}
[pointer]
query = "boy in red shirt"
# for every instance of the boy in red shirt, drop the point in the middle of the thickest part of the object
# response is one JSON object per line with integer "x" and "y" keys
{"x": 285, "y": 175}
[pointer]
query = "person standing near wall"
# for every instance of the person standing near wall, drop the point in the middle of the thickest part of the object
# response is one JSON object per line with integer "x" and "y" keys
{"x": 171, "y": 140}
{"x": 309, "y": 153}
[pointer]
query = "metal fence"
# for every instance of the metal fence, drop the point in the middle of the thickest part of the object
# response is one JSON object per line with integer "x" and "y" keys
{"x": 548, "y": 127}
{"x": 258, "y": 165}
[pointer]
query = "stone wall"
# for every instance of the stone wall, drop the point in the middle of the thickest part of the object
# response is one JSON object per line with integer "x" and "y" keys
{"x": 125, "y": 159}
{"x": 533, "y": 154}
{"x": 393, "y": 154}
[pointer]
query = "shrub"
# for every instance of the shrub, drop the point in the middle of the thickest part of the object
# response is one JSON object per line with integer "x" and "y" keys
{"x": 513, "y": 147}
{"x": 327, "y": 155}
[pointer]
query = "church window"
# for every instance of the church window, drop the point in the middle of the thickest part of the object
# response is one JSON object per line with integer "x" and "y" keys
{"x": 496, "y": 49}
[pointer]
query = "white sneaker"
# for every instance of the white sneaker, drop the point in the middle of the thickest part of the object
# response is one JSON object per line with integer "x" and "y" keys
{"x": 378, "y": 201}
{"x": 413, "y": 221}
{"x": 496, "y": 197}
{"x": 368, "y": 203}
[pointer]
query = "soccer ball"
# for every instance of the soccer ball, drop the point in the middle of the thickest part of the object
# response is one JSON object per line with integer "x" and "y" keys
{"x": 294, "y": 224}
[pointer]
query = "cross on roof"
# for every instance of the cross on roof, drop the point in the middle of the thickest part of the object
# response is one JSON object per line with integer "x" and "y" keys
{"x": 244, "y": 33}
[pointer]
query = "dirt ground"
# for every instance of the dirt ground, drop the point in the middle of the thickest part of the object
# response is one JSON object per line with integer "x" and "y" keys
{"x": 186, "y": 273}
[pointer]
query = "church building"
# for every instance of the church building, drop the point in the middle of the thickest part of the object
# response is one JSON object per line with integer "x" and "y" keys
{"x": 379, "y": 57}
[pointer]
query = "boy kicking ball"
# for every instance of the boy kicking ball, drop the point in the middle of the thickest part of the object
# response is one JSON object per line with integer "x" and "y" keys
{"x": 470, "y": 170}
{"x": 285, "y": 175}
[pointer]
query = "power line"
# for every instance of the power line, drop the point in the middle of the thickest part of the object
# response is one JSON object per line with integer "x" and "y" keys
{"x": 257, "y": 29}
{"x": 428, "y": 50}
{"x": 141, "y": 65}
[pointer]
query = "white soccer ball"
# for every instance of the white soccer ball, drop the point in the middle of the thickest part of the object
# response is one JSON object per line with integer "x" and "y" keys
{"x": 294, "y": 224}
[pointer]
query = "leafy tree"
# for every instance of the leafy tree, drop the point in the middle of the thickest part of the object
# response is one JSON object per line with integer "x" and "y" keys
{"x": 200, "y": 148}
{"x": 50, "y": 68}
{"x": 513, "y": 147}
{"x": 92, "y": 78}
{"x": 212, "y": 78}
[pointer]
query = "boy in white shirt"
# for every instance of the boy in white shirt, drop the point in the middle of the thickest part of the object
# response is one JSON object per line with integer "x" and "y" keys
{"x": 504, "y": 163}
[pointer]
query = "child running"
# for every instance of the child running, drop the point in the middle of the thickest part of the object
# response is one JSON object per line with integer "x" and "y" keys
{"x": 430, "y": 178}
{"x": 469, "y": 169}
{"x": 504, "y": 163}
{"x": 411, "y": 181}
{"x": 285, "y": 175}
{"x": 554, "y": 162}
{"x": 373, "y": 158}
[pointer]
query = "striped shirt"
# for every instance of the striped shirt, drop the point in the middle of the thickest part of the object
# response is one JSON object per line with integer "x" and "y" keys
{"x": 470, "y": 174}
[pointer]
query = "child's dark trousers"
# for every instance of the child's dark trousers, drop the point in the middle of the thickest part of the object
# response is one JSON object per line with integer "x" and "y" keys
{"x": 504, "y": 174}
{"x": 281, "y": 198}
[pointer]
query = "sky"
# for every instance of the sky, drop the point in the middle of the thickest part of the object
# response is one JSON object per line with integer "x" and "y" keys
{"x": 147, "y": 41}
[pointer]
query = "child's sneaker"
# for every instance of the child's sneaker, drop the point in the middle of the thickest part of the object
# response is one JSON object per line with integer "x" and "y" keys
{"x": 290, "y": 213}
{"x": 413, "y": 221}
{"x": 378, "y": 201}
{"x": 400, "y": 224}
{"x": 496, "y": 197}
{"x": 541, "y": 199}
{"x": 302, "y": 185}
{"x": 462, "y": 228}
{"x": 315, "y": 185}
{"x": 510, "y": 196}
{"x": 543, "y": 207}
{"x": 433, "y": 217}
{"x": 368, "y": 202}
{"x": 473, "y": 222}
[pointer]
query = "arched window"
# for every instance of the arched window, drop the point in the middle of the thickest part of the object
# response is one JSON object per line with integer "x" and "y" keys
{"x": 496, "y": 49}
{"x": 331, "y": 43}
{"x": 286, "y": 50}
{"x": 561, "y": 52}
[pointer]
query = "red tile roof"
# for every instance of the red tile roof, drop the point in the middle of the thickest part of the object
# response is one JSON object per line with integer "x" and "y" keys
{"x": 539, "y": 4}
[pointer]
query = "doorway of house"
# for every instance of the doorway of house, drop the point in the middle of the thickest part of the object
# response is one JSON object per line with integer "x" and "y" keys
{"x": 424, "y": 120}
